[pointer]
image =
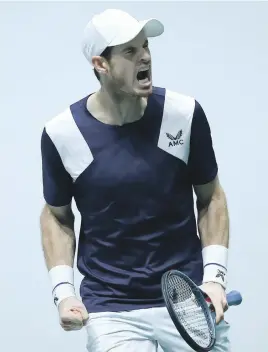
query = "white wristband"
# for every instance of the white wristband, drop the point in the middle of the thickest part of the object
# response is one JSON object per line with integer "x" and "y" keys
{"x": 215, "y": 258}
{"x": 62, "y": 280}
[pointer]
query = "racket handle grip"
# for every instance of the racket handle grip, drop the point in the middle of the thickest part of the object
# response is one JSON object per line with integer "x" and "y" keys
{"x": 234, "y": 298}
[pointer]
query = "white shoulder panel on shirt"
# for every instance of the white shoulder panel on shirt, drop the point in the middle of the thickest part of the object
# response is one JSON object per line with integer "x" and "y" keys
{"x": 175, "y": 132}
{"x": 70, "y": 143}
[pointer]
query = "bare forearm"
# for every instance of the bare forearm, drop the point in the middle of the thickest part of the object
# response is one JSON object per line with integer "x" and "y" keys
{"x": 58, "y": 239}
{"x": 213, "y": 221}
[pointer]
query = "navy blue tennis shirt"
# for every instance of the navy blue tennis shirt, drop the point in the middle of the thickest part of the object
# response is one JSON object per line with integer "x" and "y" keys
{"x": 133, "y": 186}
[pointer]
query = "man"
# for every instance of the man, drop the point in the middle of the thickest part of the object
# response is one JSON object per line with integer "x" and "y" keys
{"x": 130, "y": 155}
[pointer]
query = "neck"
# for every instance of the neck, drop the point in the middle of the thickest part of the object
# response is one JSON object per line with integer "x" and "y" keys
{"x": 116, "y": 108}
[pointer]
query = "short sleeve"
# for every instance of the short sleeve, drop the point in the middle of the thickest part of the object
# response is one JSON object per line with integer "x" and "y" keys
{"x": 57, "y": 183}
{"x": 202, "y": 162}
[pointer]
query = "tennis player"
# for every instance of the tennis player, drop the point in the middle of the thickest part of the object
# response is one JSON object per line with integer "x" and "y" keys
{"x": 131, "y": 155}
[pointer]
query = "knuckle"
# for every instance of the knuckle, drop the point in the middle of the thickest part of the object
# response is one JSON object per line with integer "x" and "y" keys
{"x": 221, "y": 316}
{"x": 224, "y": 300}
{"x": 65, "y": 320}
{"x": 64, "y": 327}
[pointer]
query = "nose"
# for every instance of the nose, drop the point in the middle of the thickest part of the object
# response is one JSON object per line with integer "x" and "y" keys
{"x": 146, "y": 57}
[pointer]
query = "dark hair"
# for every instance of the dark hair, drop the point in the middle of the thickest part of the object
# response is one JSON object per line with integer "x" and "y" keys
{"x": 106, "y": 54}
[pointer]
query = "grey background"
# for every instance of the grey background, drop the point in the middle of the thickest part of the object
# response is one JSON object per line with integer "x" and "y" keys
{"x": 216, "y": 52}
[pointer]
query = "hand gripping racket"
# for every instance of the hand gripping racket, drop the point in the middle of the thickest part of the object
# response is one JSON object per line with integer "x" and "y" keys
{"x": 189, "y": 310}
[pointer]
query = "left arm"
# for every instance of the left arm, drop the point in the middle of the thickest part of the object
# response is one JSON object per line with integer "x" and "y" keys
{"x": 213, "y": 226}
{"x": 213, "y": 219}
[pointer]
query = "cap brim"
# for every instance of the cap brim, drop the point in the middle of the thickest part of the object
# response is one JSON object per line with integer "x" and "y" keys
{"x": 151, "y": 27}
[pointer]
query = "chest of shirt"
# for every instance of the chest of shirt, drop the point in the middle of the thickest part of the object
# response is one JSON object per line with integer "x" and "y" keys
{"x": 129, "y": 158}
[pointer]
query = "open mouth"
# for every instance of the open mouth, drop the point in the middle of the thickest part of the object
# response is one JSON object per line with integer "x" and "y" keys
{"x": 143, "y": 76}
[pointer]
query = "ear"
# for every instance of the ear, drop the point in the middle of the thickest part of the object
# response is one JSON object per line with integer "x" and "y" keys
{"x": 100, "y": 64}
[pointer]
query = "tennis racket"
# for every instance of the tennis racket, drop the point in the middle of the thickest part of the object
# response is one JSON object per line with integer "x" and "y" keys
{"x": 189, "y": 310}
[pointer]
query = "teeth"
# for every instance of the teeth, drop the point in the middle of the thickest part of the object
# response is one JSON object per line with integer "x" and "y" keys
{"x": 143, "y": 69}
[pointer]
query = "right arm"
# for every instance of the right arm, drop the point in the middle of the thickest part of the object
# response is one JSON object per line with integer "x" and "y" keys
{"x": 58, "y": 237}
{"x": 57, "y": 221}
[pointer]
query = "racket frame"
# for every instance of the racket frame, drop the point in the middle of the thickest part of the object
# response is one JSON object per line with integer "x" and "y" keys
{"x": 200, "y": 297}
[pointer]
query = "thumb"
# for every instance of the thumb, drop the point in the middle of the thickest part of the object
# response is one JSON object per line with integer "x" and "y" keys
{"x": 83, "y": 312}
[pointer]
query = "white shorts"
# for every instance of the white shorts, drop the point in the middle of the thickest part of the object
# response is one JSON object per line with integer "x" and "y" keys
{"x": 144, "y": 330}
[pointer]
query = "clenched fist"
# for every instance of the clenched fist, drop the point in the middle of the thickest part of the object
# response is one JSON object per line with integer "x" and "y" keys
{"x": 72, "y": 313}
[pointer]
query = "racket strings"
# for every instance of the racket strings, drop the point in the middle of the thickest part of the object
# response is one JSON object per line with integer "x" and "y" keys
{"x": 189, "y": 311}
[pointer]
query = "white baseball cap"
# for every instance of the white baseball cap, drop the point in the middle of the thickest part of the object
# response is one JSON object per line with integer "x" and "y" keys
{"x": 114, "y": 27}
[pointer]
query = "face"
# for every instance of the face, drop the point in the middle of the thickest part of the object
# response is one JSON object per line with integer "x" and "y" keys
{"x": 129, "y": 69}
